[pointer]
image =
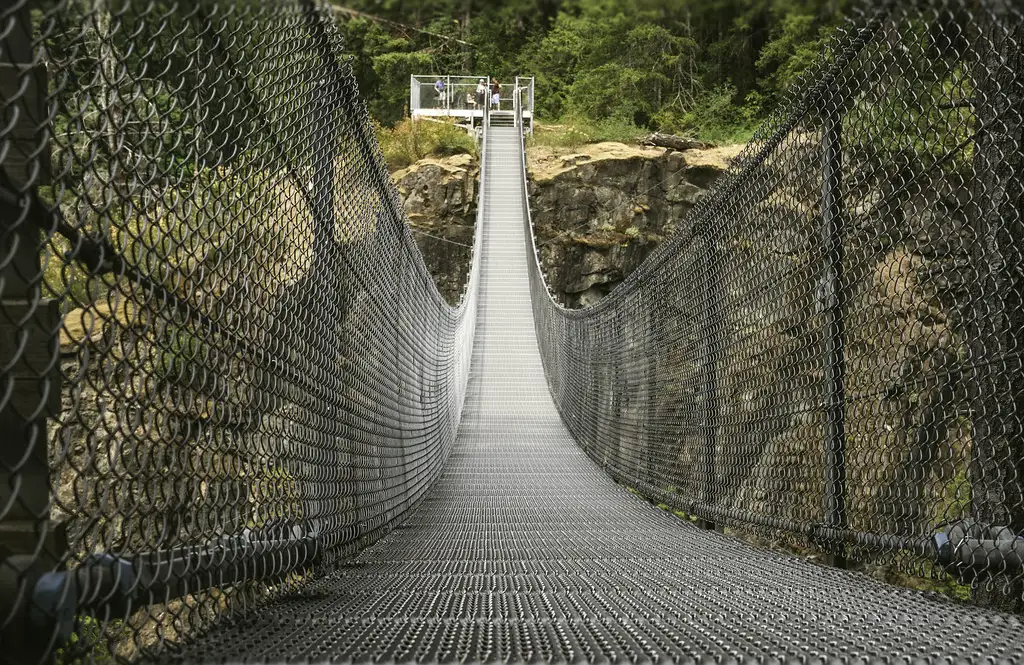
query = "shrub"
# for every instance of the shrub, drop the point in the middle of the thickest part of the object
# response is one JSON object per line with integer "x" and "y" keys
{"x": 410, "y": 141}
{"x": 716, "y": 117}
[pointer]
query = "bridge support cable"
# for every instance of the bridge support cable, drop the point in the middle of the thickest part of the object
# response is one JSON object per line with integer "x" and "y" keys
{"x": 31, "y": 543}
{"x": 995, "y": 315}
{"x": 710, "y": 404}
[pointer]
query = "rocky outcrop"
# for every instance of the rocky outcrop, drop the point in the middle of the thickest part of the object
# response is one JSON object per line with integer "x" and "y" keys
{"x": 440, "y": 201}
{"x": 600, "y": 211}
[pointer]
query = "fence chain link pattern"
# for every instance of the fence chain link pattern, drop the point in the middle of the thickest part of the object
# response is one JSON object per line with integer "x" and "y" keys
{"x": 828, "y": 354}
{"x": 220, "y": 340}
{"x": 225, "y": 368}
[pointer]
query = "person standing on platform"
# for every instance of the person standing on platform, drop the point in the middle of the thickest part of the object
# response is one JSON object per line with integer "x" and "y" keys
{"x": 495, "y": 94}
{"x": 481, "y": 94}
{"x": 439, "y": 88}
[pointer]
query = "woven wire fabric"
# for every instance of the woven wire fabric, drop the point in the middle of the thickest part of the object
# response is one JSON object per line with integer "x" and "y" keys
{"x": 227, "y": 372}
{"x": 828, "y": 354}
{"x": 525, "y": 551}
{"x": 210, "y": 288}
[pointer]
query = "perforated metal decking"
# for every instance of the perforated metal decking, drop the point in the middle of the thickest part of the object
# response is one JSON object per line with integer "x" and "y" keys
{"x": 526, "y": 551}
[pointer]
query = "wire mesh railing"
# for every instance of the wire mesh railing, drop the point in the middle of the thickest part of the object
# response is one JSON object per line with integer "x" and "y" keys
{"x": 225, "y": 365}
{"x": 828, "y": 353}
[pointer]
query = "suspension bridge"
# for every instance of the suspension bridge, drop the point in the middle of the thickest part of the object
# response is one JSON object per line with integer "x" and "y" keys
{"x": 244, "y": 426}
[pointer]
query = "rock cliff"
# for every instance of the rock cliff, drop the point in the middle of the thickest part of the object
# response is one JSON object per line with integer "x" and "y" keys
{"x": 440, "y": 200}
{"x": 598, "y": 211}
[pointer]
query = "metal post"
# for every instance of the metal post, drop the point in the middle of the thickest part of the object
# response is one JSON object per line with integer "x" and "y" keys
{"x": 31, "y": 546}
{"x": 516, "y": 105}
{"x": 833, "y": 306}
{"x": 710, "y": 405}
{"x": 531, "y": 104}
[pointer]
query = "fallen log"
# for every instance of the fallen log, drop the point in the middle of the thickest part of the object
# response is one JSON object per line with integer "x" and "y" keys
{"x": 659, "y": 140}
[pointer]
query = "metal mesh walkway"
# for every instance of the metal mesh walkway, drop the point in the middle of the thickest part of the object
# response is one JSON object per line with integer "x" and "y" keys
{"x": 525, "y": 550}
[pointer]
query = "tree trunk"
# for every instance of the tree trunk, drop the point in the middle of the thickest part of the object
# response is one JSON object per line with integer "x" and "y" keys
{"x": 467, "y": 13}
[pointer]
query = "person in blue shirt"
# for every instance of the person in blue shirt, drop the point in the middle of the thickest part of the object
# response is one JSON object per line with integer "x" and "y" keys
{"x": 439, "y": 89}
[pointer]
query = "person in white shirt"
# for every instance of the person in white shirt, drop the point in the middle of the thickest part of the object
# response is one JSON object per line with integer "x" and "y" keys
{"x": 481, "y": 93}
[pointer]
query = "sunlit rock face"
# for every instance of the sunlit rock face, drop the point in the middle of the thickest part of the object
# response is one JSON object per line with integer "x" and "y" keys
{"x": 440, "y": 201}
{"x": 598, "y": 212}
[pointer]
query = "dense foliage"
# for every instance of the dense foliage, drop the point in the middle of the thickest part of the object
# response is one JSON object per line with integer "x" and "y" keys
{"x": 707, "y": 67}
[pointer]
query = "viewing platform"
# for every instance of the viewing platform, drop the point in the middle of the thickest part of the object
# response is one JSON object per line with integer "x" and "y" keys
{"x": 439, "y": 96}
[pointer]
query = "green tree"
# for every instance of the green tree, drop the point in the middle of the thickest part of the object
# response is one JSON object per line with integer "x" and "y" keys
{"x": 705, "y": 66}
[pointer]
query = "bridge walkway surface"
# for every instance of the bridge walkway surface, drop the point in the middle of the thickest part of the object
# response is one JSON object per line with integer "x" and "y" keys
{"x": 525, "y": 550}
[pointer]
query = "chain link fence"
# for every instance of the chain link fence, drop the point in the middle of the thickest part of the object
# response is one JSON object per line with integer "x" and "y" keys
{"x": 221, "y": 350}
{"x": 828, "y": 354}
{"x": 225, "y": 368}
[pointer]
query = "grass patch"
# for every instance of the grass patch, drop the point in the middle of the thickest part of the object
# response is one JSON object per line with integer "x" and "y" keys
{"x": 577, "y": 132}
{"x": 716, "y": 124}
{"x": 409, "y": 141}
